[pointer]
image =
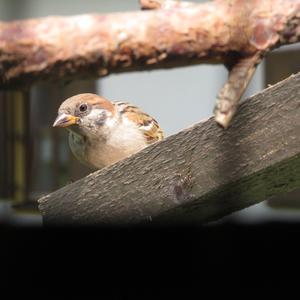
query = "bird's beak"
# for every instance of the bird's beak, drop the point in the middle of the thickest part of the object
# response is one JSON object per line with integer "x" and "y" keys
{"x": 64, "y": 120}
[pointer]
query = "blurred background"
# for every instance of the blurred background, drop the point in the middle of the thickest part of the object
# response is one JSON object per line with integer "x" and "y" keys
{"x": 35, "y": 158}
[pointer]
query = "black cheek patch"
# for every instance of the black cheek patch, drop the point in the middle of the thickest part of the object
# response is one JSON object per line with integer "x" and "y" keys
{"x": 101, "y": 119}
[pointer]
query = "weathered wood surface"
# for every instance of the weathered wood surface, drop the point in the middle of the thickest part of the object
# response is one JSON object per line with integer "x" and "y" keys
{"x": 90, "y": 46}
{"x": 198, "y": 175}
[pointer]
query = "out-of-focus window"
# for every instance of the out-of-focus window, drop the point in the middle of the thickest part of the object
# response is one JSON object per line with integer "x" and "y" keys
{"x": 35, "y": 157}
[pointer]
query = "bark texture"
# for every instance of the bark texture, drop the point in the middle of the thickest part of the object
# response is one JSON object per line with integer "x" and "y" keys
{"x": 165, "y": 4}
{"x": 240, "y": 74}
{"x": 96, "y": 45}
{"x": 198, "y": 175}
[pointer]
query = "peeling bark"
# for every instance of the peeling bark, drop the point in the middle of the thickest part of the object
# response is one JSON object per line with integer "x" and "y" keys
{"x": 164, "y": 4}
{"x": 198, "y": 175}
{"x": 96, "y": 45}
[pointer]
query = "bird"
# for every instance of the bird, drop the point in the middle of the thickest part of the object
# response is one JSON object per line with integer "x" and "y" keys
{"x": 102, "y": 132}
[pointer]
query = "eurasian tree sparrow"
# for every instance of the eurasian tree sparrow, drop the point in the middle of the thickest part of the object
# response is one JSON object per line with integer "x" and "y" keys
{"x": 102, "y": 132}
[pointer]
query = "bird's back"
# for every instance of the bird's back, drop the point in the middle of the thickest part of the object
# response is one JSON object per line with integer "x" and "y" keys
{"x": 146, "y": 124}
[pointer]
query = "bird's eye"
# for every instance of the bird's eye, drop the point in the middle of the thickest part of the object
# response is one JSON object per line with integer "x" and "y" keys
{"x": 83, "y": 107}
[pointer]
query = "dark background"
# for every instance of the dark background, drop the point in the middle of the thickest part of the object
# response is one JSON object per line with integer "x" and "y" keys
{"x": 143, "y": 263}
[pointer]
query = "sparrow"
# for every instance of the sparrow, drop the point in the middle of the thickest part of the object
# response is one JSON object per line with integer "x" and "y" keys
{"x": 102, "y": 132}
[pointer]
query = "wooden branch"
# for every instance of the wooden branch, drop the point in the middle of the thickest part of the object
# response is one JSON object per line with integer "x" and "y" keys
{"x": 200, "y": 174}
{"x": 240, "y": 74}
{"x": 164, "y": 4}
{"x": 241, "y": 69}
{"x": 90, "y": 46}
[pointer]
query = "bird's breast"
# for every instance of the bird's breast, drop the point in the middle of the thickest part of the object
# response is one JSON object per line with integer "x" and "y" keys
{"x": 104, "y": 153}
{"x": 98, "y": 152}
{"x": 78, "y": 145}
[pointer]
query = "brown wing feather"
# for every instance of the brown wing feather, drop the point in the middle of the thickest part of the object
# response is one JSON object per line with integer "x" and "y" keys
{"x": 148, "y": 125}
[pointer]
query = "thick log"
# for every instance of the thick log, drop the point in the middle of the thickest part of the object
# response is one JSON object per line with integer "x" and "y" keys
{"x": 198, "y": 175}
{"x": 96, "y": 45}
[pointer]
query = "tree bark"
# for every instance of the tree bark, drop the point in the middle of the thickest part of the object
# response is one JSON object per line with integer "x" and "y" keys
{"x": 165, "y": 4}
{"x": 198, "y": 175}
{"x": 92, "y": 46}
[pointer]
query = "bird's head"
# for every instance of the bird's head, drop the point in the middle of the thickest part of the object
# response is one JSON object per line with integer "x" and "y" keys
{"x": 86, "y": 114}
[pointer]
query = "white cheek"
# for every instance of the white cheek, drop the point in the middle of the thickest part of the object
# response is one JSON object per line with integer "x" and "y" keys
{"x": 95, "y": 113}
{"x": 90, "y": 120}
{"x": 94, "y": 126}
{"x": 110, "y": 122}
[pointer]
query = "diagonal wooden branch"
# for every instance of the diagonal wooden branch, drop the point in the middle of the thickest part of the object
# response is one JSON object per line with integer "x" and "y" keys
{"x": 200, "y": 174}
{"x": 240, "y": 74}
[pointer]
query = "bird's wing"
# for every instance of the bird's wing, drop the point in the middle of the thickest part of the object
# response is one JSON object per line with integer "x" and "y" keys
{"x": 148, "y": 125}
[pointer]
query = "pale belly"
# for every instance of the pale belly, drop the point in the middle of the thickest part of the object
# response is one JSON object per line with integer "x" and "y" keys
{"x": 105, "y": 155}
{"x": 98, "y": 154}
